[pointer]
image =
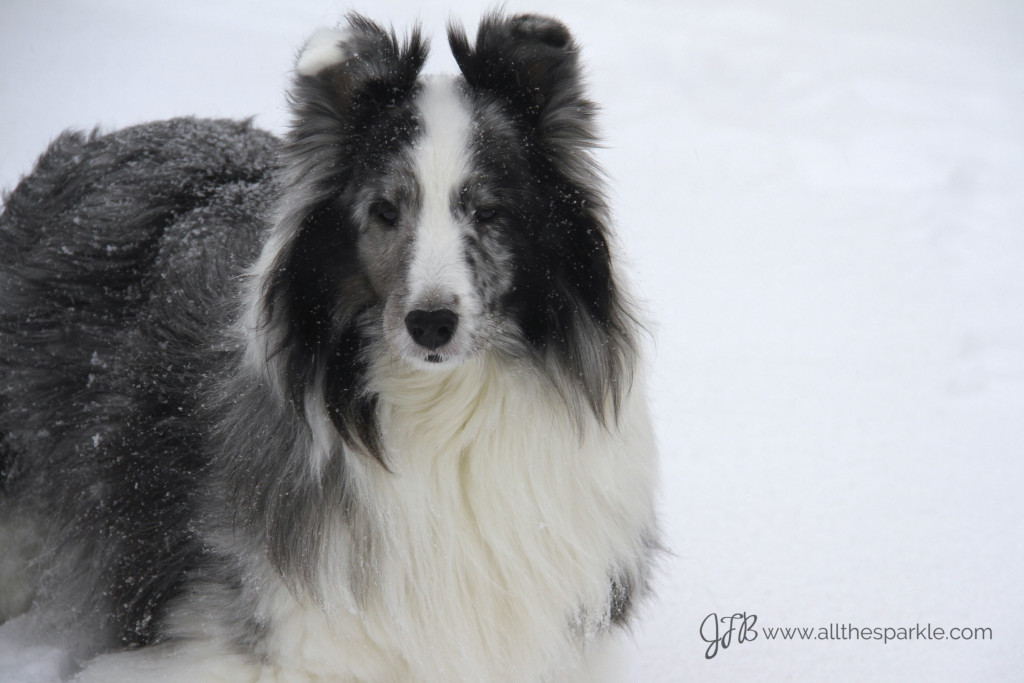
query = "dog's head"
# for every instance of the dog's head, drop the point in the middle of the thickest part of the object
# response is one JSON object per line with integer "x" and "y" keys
{"x": 438, "y": 218}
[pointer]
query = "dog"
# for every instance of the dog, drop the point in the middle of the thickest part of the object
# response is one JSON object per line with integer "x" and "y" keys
{"x": 362, "y": 404}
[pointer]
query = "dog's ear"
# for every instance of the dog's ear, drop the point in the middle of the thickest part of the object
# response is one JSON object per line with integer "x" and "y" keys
{"x": 529, "y": 61}
{"x": 357, "y": 66}
{"x": 351, "y": 91}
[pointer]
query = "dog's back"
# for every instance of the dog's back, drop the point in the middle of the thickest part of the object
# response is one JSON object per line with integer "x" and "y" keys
{"x": 117, "y": 257}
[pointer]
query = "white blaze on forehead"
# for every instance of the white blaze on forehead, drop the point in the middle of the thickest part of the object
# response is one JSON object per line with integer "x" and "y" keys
{"x": 439, "y": 272}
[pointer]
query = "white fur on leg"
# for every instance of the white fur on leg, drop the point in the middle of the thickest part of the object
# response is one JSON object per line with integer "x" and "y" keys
{"x": 29, "y": 654}
{"x": 191, "y": 662}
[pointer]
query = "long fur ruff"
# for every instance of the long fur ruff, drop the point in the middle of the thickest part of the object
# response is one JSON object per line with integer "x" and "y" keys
{"x": 364, "y": 404}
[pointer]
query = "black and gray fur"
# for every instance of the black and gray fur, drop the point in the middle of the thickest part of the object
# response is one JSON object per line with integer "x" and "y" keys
{"x": 121, "y": 256}
{"x": 156, "y": 463}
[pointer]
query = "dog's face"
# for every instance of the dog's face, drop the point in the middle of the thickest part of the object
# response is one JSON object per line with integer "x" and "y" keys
{"x": 437, "y": 229}
{"x": 437, "y": 218}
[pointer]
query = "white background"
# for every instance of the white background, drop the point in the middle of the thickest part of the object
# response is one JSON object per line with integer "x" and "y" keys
{"x": 824, "y": 208}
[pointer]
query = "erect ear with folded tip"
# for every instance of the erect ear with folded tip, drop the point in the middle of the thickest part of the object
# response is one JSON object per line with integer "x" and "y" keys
{"x": 530, "y": 61}
{"x": 358, "y": 58}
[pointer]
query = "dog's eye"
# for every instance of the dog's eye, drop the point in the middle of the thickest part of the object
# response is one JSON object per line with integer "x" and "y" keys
{"x": 485, "y": 215}
{"x": 385, "y": 212}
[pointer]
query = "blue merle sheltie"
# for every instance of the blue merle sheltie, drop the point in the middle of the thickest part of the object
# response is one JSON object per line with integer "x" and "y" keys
{"x": 362, "y": 404}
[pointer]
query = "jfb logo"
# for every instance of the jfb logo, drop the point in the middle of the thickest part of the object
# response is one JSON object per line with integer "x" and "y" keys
{"x": 722, "y": 632}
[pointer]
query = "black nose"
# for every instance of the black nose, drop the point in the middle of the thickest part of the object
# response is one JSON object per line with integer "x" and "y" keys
{"x": 432, "y": 329}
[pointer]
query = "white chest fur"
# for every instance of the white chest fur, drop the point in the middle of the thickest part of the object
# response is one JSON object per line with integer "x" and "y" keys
{"x": 488, "y": 550}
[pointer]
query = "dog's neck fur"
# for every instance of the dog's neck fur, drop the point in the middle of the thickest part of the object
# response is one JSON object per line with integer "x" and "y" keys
{"x": 496, "y": 517}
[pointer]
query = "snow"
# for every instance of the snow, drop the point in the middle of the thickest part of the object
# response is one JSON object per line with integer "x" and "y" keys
{"x": 824, "y": 208}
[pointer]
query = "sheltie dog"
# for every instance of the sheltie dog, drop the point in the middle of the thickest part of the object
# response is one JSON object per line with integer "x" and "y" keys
{"x": 365, "y": 404}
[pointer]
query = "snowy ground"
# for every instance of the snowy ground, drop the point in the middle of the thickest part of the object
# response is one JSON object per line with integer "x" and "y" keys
{"x": 825, "y": 209}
